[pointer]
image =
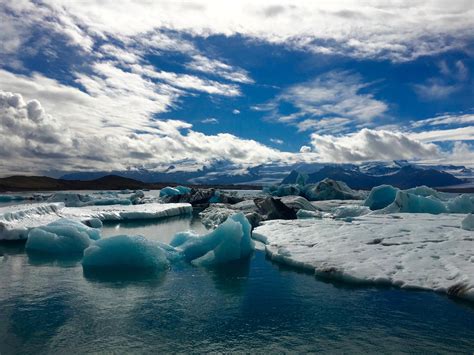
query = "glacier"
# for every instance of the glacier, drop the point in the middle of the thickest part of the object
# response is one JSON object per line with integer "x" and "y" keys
{"x": 63, "y": 236}
{"x": 420, "y": 251}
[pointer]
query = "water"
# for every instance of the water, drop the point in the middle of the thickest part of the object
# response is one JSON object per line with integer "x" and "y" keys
{"x": 50, "y": 306}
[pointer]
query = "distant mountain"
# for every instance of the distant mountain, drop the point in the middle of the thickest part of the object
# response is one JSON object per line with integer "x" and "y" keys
{"x": 404, "y": 177}
{"x": 227, "y": 173}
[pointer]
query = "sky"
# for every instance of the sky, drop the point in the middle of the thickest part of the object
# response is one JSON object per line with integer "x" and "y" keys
{"x": 115, "y": 85}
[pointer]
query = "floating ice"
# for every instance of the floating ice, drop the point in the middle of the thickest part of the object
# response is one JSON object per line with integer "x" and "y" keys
{"x": 117, "y": 212}
{"x": 79, "y": 200}
{"x": 409, "y": 203}
{"x": 303, "y": 214}
{"x": 461, "y": 204}
{"x": 468, "y": 223}
{"x": 174, "y": 191}
{"x": 16, "y": 221}
{"x": 329, "y": 189}
{"x": 349, "y": 211}
{"x": 215, "y": 214}
{"x": 61, "y": 237}
{"x": 298, "y": 203}
{"x": 230, "y": 241}
{"x": 123, "y": 252}
{"x": 407, "y": 250}
{"x": 381, "y": 196}
{"x": 283, "y": 190}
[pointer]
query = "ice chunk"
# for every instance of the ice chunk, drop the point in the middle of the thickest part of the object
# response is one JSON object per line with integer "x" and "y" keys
{"x": 303, "y": 214}
{"x": 381, "y": 196}
{"x": 407, "y": 250}
{"x": 298, "y": 203}
{"x": 349, "y": 211}
{"x": 79, "y": 200}
{"x": 123, "y": 252}
{"x": 174, "y": 191}
{"x": 329, "y": 189}
{"x": 229, "y": 242}
{"x": 215, "y": 214}
{"x": 408, "y": 203}
{"x": 468, "y": 223}
{"x": 16, "y": 221}
{"x": 283, "y": 190}
{"x": 424, "y": 191}
{"x": 461, "y": 204}
{"x": 61, "y": 237}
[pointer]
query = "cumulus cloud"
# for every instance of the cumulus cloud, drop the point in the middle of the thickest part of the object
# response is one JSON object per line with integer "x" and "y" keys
{"x": 235, "y": 111}
{"x": 305, "y": 149}
{"x": 367, "y": 144}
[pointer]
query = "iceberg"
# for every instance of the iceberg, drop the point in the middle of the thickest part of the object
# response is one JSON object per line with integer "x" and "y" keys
{"x": 174, "y": 191}
{"x": 283, "y": 190}
{"x": 123, "y": 252}
{"x": 78, "y": 200}
{"x": 329, "y": 189}
{"x": 16, "y": 221}
{"x": 409, "y": 203}
{"x": 468, "y": 223}
{"x": 63, "y": 236}
{"x": 298, "y": 203}
{"x": 461, "y": 204}
{"x": 127, "y": 212}
{"x": 407, "y": 250}
{"x": 230, "y": 241}
{"x": 381, "y": 196}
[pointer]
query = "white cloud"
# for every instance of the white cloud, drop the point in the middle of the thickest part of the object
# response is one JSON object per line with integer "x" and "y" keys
{"x": 369, "y": 29}
{"x": 435, "y": 89}
{"x": 210, "y": 120}
{"x": 235, "y": 112}
{"x": 216, "y": 67}
{"x": 450, "y": 119}
{"x": 305, "y": 149}
{"x": 276, "y": 141}
{"x": 329, "y": 102}
{"x": 443, "y": 135}
{"x": 368, "y": 144}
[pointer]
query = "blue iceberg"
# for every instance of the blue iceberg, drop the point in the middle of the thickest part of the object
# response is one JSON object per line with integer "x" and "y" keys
{"x": 230, "y": 241}
{"x": 63, "y": 236}
{"x": 381, "y": 196}
{"x": 123, "y": 252}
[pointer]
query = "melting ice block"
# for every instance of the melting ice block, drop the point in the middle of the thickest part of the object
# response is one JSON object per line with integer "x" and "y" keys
{"x": 63, "y": 237}
{"x": 230, "y": 241}
{"x": 408, "y": 250}
{"x": 468, "y": 223}
{"x": 123, "y": 252}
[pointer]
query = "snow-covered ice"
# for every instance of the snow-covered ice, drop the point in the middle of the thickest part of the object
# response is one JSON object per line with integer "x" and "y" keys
{"x": 16, "y": 221}
{"x": 408, "y": 250}
{"x": 61, "y": 237}
{"x": 119, "y": 212}
{"x": 230, "y": 241}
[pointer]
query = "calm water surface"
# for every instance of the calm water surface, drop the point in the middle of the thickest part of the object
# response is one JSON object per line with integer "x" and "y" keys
{"x": 50, "y": 306}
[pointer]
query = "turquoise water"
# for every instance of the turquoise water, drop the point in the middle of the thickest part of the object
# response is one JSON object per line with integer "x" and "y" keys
{"x": 50, "y": 306}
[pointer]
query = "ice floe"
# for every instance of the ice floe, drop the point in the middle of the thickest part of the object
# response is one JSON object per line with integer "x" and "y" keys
{"x": 16, "y": 221}
{"x": 408, "y": 250}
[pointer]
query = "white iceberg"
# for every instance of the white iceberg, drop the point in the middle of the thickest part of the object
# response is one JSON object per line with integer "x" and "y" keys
{"x": 127, "y": 212}
{"x": 62, "y": 237}
{"x": 407, "y": 250}
{"x": 78, "y": 200}
{"x": 329, "y": 189}
{"x": 123, "y": 252}
{"x": 17, "y": 221}
{"x": 230, "y": 241}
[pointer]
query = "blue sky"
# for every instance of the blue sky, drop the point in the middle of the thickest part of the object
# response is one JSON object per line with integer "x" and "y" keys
{"x": 102, "y": 86}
